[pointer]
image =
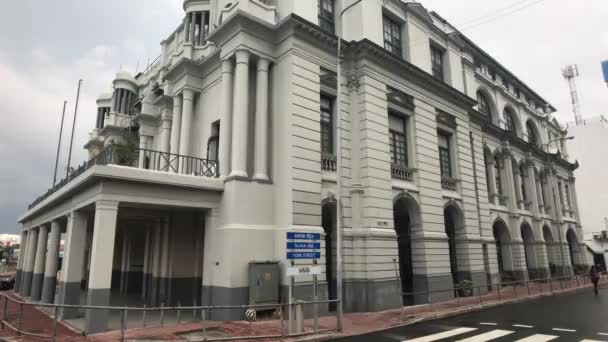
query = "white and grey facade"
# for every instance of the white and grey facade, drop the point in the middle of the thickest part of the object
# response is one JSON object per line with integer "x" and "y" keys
{"x": 203, "y": 162}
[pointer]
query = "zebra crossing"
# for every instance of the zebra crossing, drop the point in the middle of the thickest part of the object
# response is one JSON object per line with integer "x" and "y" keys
{"x": 490, "y": 332}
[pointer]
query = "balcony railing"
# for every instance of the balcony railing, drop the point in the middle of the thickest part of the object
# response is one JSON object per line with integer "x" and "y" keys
{"x": 449, "y": 183}
{"x": 328, "y": 162}
{"x": 140, "y": 158}
{"x": 403, "y": 173}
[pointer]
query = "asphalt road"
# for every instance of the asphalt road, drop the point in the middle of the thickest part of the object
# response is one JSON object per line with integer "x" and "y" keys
{"x": 579, "y": 316}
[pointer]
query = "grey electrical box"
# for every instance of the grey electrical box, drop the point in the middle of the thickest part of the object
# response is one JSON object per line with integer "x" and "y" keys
{"x": 264, "y": 282}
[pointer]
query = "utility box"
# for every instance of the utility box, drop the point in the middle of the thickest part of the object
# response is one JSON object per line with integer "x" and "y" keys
{"x": 264, "y": 282}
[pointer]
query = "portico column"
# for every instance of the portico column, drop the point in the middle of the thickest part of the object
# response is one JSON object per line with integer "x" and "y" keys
{"x": 32, "y": 242}
{"x": 50, "y": 269}
{"x": 226, "y": 117}
{"x": 22, "y": 249}
{"x": 38, "y": 276}
{"x": 531, "y": 186}
{"x": 73, "y": 262}
{"x": 165, "y": 138}
{"x": 176, "y": 126}
{"x": 187, "y": 116}
{"x": 239, "y": 122}
{"x": 165, "y": 275}
{"x": 261, "y": 122}
{"x": 143, "y": 145}
{"x": 100, "y": 274}
{"x": 508, "y": 172}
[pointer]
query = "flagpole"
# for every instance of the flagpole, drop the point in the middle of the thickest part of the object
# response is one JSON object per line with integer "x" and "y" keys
{"x": 67, "y": 173}
{"x": 59, "y": 143}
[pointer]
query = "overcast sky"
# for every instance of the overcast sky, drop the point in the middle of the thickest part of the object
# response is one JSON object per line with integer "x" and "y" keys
{"x": 46, "y": 46}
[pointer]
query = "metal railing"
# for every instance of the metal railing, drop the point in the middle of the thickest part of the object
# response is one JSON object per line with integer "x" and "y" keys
{"x": 449, "y": 183}
{"x": 130, "y": 157}
{"x": 17, "y": 323}
{"x": 478, "y": 295}
{"x": 328, "y": 162}
{"x": 403, "y": 173}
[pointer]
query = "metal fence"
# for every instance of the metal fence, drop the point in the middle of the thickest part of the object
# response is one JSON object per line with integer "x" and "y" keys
{"x": 17, "y": 323}
{"x": 478, "y": 295}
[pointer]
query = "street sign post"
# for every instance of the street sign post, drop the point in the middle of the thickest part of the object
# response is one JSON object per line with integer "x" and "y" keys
{"x": 302, "y": 246}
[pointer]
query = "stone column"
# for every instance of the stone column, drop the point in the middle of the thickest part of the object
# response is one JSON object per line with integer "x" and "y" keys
{"x": 165, "y": 138}
{"x": 123, "y": 101}
{"x": 187, "y": 117}
{"x": 532, "y": 190}
{"x": 22, "y": 249}
{"x": 28, "y": 271}
{"x": 165, "y": 275}
{"x": 146, "y": 275}
{"x": 143, "y": 144}
{"x": 239, "y": 122}
{"x": 100, "y": 274}
{"x": 124, "y": 266}
{"x": 176, "y": 126}
{"x": 52, "y": 259}
{"x": 261, "y": 122}
{"x": 226, "y": 117}
{"x": 510, "y": 181}
{"x": 155, "y": 267}
{"x": 73, "y": 263}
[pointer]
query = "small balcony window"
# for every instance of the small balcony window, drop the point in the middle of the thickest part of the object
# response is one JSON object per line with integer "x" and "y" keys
{"x": 327, "y": 16}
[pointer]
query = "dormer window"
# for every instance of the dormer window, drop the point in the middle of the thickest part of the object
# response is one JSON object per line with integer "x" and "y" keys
{"x": 437, "y": 62}
{"x": 327, "y": 16}
{"x": 197, "y": 28}
{"x": 392, "y": 36}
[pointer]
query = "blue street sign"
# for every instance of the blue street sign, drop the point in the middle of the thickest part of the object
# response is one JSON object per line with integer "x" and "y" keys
{"x": 303, "y": 236}
{"x": 303, "y": 255}
{"x": 303, "y": 245}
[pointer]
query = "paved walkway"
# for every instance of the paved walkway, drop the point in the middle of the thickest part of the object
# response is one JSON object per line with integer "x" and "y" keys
{"x": 354, "y": 324}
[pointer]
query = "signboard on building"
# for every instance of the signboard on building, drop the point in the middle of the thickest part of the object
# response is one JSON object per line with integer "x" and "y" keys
{"x": 302, "y": 246}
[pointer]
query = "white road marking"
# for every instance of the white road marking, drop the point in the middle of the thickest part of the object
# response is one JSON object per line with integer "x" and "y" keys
{"x": 487, "y": 323}
{"x": 523, "y": 326}
{"x": 538, "y": 338}
{"x": 603, "y": 334}
{"x": 442, "y": 335}
{"x": 491, "y": 335}
{"x": 566, "y": 330}
{"x": 591, "y": 341}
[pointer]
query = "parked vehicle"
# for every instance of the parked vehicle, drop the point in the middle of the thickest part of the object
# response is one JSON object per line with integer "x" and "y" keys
{"x": 7, "y": 283}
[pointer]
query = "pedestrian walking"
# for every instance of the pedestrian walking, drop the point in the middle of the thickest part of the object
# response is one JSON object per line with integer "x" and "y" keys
{"x": 595, "y": 278}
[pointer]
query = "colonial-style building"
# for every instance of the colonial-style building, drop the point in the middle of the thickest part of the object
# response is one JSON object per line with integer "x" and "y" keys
{"x": 452, "y": 167}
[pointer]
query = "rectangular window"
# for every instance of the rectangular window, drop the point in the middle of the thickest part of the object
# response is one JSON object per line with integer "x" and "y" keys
{"x": 327, "y": 129}
{"x": 561, "y": 194}
{"x": 326, "y": 15}
{"x": 397, "y": 140}
{"x": 392, "y": 35}
{"x": 437, "y": 62}
{"x": 568, "y": 200}
{"x": 492, "y": 74}
{"x": 445, "y": 160}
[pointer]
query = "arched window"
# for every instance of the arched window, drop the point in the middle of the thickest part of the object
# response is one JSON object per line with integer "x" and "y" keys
{"x": 488, "y": 172}
{"x": 531, "y": 131}
{"x": 522, "y": 181}
{"x": 497, "y": 165}
{"x": 509, "y": 121}
{"x": 483, "y": 104}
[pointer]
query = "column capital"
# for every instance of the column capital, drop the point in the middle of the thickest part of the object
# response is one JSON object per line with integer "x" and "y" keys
{"x": 263, "y": 64}
{"x": 227, "y": 66}
{"x": 188, "y": 94}
{"x": 106, "y": 205}
{"x": 242, "y": 56}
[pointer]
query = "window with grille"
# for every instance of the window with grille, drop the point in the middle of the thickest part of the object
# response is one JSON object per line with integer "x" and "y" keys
{"x": 483, "y": 104}
{"x": 326, "y": 15}
{"x": 397, "y": 140}
{"x": 510, "y": 123}
{"x": 445, "y": 161}
{"x": 532, "y": 139}
{"x": 327, "y": 131}
{"x": 568, "y": 199}
{"x": 522, "y": 180}
{"x": 437, "y": 62}
{"x": 392, "y": 35}
{"x": 561, "y": 193}
{"x": 498, "y": 179}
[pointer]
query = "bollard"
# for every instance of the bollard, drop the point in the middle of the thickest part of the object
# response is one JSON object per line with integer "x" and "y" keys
{"x": 203, "y": 318}
{"x": 498, "y": 288}
{"x": 528, "y": 286}
{"x": 281, "y": 320}
{"x": 55, "y": 318}
{"x": 4, "y": 311}
{"x": 339, "y": 315}
{"x": 299, "y": 313}
{"x": 143, "y": 316}
{"x": 577, "y": 283}
{"x": 20, "y": 319}
{"x": 480, "y": 297}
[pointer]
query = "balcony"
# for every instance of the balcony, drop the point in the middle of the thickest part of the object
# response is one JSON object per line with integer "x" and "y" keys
{"x": 402, "y": 173}
{"x": 449, "y": 183}
{"x": 133, "y": 157}
{"x": 328, "y": 163}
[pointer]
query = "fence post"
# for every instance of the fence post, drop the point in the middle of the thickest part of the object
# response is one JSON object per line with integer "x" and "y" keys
{"x": 143, "y": 316}
{"x": 551, "y": 285}
{"x": 339, "y": 316}
{"x": 577, "y": 282}
{"x": 203, "y": 318}
{"x": 122, "y": 325}
{"x": 528, "y": 286}
{"x": 281, "y": 320}
{"x": 162, "y": 314}
{"x": 4, "y": 310}
{"x": 55, "y": 318}
{"x": 480, "y": 298}
{"x": 179, "y": 313}
{"x": 498, "y": 288}
{"x": 20, "y": 319}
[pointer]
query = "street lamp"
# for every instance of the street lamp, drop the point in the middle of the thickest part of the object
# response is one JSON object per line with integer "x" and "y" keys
{"x": 554, "y": 186}
{"x": 339, "y": 169}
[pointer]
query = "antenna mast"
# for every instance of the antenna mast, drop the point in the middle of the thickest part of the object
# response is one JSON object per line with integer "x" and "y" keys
{"x": 570, "y": 73}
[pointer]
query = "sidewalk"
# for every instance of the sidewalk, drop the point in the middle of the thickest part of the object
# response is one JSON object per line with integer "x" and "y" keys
{"x": 354, "y": 323}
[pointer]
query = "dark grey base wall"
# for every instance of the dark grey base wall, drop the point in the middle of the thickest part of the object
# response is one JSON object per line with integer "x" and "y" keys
{"x": 438, "y": 287}
{"x": 37, "y": 280}
{"x": 48, "y": 289}
{"x": 26, "y": 286}
{"x": 18, "y": 280}
{"x": 97, "y": 320}
{"x": 215, "y": 295}
{"x": 368, "y": 296}
{"x": 513, "y": 275}
{"x": 538, "y": 273}
{"x": 479, "y": 279}
{"x": 69, "y": 293}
